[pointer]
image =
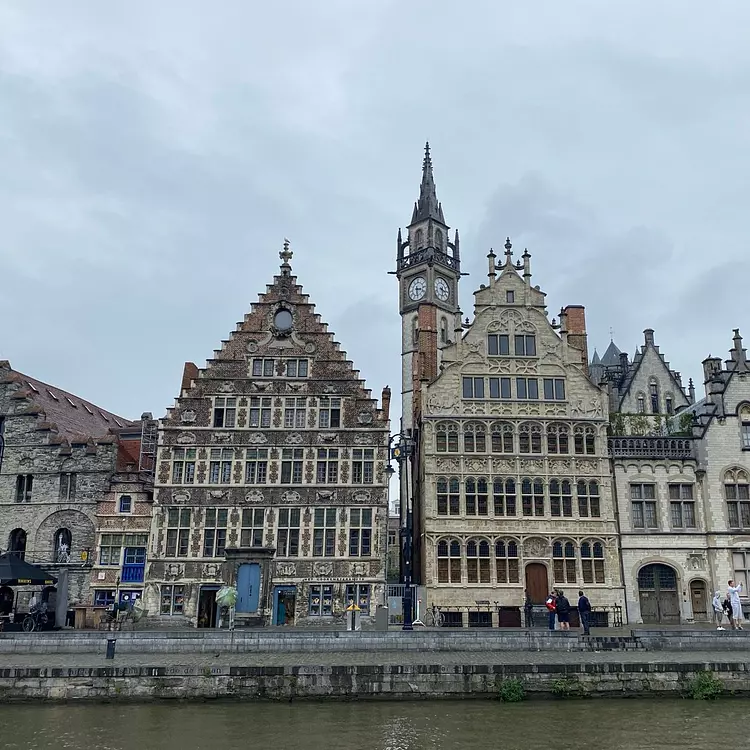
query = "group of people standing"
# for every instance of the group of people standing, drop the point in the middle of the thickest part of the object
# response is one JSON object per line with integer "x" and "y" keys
{"x": 730, "y": 607}
{"x": 559, "y": 609}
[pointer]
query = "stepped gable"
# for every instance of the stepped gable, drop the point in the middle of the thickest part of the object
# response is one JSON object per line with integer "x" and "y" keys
{"x": 71, "y": 418}
{"x": 635, "y": 365}
{"x": 263, "y": 334}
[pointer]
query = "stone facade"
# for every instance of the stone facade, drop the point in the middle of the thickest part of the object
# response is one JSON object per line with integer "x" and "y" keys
{"x": 515, "y": 488}
{"x": 277, "y": 451}
{"x": 57, "y": 454}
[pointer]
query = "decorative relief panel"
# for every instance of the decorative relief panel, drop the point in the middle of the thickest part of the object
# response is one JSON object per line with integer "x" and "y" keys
{"x": 226, "y": 387}
{"x": 188, "y": 416}
{"x": 221, "y": 437}
{"x": 531, "y": 465}
{"x": 475, "y": 407}
{"x": 211, "y": 570}
{"x": 361, "y": 496}
{"x": 560, "y": 466}
{"x": 536, "y": 547}
{"x": 446, "y": 463}
{"x": 290, "y": 496}
{"x": 328, "y": 437}
{"x": 185, "y": 438}
{"x": 504, "y": 465}
{"x": 323, "y": 569}
{"x": 254, "y": 496}
{"x": 294, "y": 438}
{"x": 180, "y": 497}
{"x": 286, "y": 569}
{"x": 587, "y": 466}
{"x": 476, "y": 464}
{"x": 446, "y": 403}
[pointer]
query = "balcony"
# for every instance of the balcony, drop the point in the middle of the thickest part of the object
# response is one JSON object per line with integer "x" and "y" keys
{"x": 132, "y": 573}
{"x": 652, "y": 447}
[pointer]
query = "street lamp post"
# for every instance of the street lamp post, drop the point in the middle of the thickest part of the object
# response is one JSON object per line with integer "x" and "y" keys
{"x": 402, "y": 452}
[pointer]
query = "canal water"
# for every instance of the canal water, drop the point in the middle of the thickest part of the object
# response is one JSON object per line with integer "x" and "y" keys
{"x": 616, "y": 724}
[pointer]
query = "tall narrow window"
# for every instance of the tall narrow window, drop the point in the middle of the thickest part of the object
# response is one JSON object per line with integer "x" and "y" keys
{"x": 478, "y": 561}
{"x": 504, "y": 496}
{"x": 225, "y": 411}
{"x": 641, "y": 404}
{"x": 506, "y": 561}
{"x": 560, "y": 498}
{"x": 527, "y": 389}
{"x": 442, "y": 496}
{"x": 443, "y": 331}
{"x": 737, "y": 494}
{"x": 295, "y": 412}
{"x": 643, "y": 506}
{"x": 251, "y": 532}
{"x": 564, "y": 562}
{"x": 557, "y": 438}
{"x": 588, "y": 499}
{"x": 67, "y": 487}
{"x": 215, "y": 532}
{"x": 745, "y": 427}
{"x": 256, "y": 465}
{"x": 24, "y": 485}
{"x": 446, "y": 437}
{"x": 653, "y": 389}
{"x": 525, "y": 346}
{"x": 498, "y": 344}
{"x": 500, "y": 388}
{"x": 682, "y": 506}
{"x": 584, "y": 440}
{"x": 287, "y": 534}
{"x": 502, "y": 437}
{"x": 363, "y": 465}
{"x": 178, "y": 532}
{"x": 327, "y": 470}
{"x": 220, "y": 466}
{"x": 324, "y": 533}
{"x": 669, "y": 405}
{"x": 532, "y": 497}
{"x": 291, "y": 465}
{"x": 260, "y": 411}
{"x": 329, "y": 412}
{"x": 360, "y": 532}
{"x": 476, "y": 497}
{"x": 183, "y": 465}
{"x": 449, "y": 561}
{"x": 473, "y": 387}
{"x": 592, "y": 562}
{"x": 475, "y": 438}
{"x": 530, "y": 438}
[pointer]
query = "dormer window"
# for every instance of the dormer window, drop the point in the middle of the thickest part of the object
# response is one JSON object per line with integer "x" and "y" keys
{"x": 296, "y": 368}
{"x": 510, "y": 296}
{"x": 498, "y": 344}
{"x": 262, "y": 368}
{"x": 525, "y": 346}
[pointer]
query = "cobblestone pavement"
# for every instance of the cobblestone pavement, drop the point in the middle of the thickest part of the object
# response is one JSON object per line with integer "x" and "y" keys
{"x": 368, "y": 658}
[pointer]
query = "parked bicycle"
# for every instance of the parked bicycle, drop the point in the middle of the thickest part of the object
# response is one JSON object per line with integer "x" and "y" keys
{"x": 36, "y": 619}
{"x": 434, "y": 618}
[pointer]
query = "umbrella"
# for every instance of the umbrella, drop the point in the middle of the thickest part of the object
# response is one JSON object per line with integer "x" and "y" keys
{"x": 15, "y": 571}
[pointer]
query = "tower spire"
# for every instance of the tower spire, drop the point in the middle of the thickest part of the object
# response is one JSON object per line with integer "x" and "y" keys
{"x": 428, "y": 206}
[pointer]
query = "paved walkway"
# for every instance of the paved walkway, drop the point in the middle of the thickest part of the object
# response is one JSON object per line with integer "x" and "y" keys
{"x": 327, "y": 659}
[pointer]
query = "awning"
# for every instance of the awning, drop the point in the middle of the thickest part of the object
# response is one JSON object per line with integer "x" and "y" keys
{"x": 14, "y": 571}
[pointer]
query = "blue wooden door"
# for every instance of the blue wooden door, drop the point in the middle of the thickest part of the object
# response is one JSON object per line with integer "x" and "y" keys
{"x": 248, "y": 587}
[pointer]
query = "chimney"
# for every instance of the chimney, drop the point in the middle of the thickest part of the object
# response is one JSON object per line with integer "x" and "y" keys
{"x": 575, "y": 325}
{"x": 691, "y": 391}
{"x": 385, "y": 400}
{"x": 711, "y": 367}
{"x": 189, "y": 374}
{"x": 648, "y": 336}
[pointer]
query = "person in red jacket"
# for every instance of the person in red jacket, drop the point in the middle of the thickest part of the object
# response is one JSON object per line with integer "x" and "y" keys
{"x": 551, "y": 604}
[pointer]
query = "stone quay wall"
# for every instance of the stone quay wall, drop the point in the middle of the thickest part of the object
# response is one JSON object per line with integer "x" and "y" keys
{"x": 394, "y": 682}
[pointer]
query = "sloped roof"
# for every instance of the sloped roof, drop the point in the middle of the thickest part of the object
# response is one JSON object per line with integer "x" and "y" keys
{"x": 74, "y": 417}
{"x": 611, "y": 356}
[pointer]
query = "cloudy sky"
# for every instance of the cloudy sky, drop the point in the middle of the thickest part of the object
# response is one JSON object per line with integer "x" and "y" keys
{"x": 153, "y": 156}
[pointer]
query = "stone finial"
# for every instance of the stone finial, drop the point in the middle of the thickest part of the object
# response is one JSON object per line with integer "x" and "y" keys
{"x": 508, "y": 253}
{"x": 286, "y": 253}
{"x": 491, "y": 262}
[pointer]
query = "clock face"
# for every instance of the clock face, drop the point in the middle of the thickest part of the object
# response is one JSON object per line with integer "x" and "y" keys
{"x": 442, "y": 290}
{"x": 417, "y": 288}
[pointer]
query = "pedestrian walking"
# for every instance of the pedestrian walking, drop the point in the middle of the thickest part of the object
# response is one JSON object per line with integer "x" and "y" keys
{"x": 551, "y": 607}
{"x": 718, "y": 610}
{"x": 528, "y": 609}
{"x": 727, "y": 607}
{"x": 562, "y": 606}
{"x": 584, "y": 611}
{"x": 733, "y": 592}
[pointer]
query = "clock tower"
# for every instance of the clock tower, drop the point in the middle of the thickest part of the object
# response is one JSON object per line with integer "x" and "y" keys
{"x": 428, "y": 269}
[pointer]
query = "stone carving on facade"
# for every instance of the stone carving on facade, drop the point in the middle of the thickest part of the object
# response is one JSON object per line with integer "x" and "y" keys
{"x": 696, "y": 561}
{"x": 587, "y": 466}
{"x": 254, "y": 496}
{"x": 560, "y": 465}
{"x": 328, "y": 437}
{"x": 174, "y": 571}
{"x": 500, "y": 367}
{"x": 526, "y": 367}
{"x": 188, "y": 416}
{"x": 531, "y": 464}
{"x": 528, "y": 408}
{"x": 364, "y": 440}
{"x": 502, "y": 409}
{"x": 211, "y": 570}
{"x": 329, "y": 388}
{"x": 262, "y": 387}
{"x": 577, "y": 408}
{"x": 476, "y": 464}
{"x": 364, "y": 417}
{"x": 359, "y": 569}
{"x": 290, "y": 496}
{"x": 218, "y": 494}
{"x": 252, "y": 346}
{"x": 555, "y": 410}
{"x": 323, "y": 568}
{"x": 445, "y": 463}
{"x": 221, "y": 437}
{"x": 475, "y": 407}
{"x": 180, "y": 497}
{"x": 361, "y": 496}
{"x": 536, "y": 547}
{"x": 257, "y": 438}
{"x": 295, "y": 387}
{"x": 294, "y": 438}
{"x": 286, "y": 569}
{"x": 326, "y": 495}
{"x": 446, "y": 403}
{"x": 185, "y": 438}
{"x": 503, "y": 465}
{"x": 310, "y": 348}
{"x": 226, "y": 387}
{"x": 595, "y": 408}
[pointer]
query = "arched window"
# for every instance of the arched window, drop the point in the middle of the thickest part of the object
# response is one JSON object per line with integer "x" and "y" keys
{"x": 478, "y": 561}
{"x": 745, "y": 426}
{"x": 557, "y": 438}
{"x": 669, "y": 404}
{"x": 564, "y": 561}
{"x": 560, "y": 498}
{"x": 592, "y": 562}
{"x": 641, "y": 404}
{"x": 476, "y": 497}
{"x": 504, "y": 496}
{"x": 653, "y": 390}
{"x": 438, "y": 239}
{"x": 419, "y": 238}
{"x": 475, "y": 438}
{"x": 62, "y": 543}
{"x": 448, "y": 496}
{"x": 530, "y": 438}
{"x": 584, "y": 440}
{"x": 588, "y": 499}
{"x": 17, "y": 543}
{"x": 449, "y": 561}
{"x": 737, "y": 494}
{"x": 502, "y": 437}
{"x": 532, "y": 497}
{"x": 443, "y": 330}
{"x": 446, "y": 440}
{"x": 506, "y": 561}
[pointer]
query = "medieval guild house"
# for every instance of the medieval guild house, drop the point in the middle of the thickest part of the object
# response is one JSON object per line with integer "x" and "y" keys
{"x": 271, "y": 477}
{"x": 57, "y": 455}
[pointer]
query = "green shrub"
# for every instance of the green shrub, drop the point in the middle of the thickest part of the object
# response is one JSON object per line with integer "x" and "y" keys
{"x": 511, "y": 691}
{"x": 568, "y": 687}
{"x": 705, "y": 686}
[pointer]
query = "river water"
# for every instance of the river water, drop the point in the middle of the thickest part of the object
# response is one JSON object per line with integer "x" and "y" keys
{"x": 616, "y": 724}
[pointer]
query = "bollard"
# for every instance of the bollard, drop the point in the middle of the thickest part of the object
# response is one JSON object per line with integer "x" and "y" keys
{"x": 111, "y": 648}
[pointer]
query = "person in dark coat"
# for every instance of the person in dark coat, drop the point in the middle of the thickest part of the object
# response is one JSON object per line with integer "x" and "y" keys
{"x": 562, "y": 605}
{"x": 584, "y": 611}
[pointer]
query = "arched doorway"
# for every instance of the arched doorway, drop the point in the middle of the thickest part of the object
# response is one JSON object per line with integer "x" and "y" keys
{"x": 658, "y": 594}
{"x": 699, "y": 600}
{"x": 537, "y": 584}
{"x": 17, "y": 542}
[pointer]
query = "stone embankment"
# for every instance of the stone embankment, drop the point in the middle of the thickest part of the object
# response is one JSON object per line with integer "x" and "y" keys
{"x": 291, "y": 665}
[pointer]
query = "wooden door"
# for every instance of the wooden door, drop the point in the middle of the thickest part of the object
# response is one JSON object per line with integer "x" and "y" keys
{"x": 657, "y": 590}
{"x": 248, "y": 587}
{"x": 536, "y": 582}
{"x": 700, "y": 600}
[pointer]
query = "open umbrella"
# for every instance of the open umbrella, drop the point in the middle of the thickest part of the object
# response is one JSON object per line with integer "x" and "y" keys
{"x": 15, "y": 571}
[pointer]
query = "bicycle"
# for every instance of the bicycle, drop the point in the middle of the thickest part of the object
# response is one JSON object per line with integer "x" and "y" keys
{"x": 434, "y": 617}
{"x": 35, "y": 620}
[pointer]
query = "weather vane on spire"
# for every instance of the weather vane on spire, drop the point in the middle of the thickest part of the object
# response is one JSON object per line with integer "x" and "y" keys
{"x": 286, "y": 253}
